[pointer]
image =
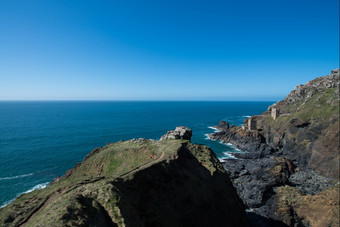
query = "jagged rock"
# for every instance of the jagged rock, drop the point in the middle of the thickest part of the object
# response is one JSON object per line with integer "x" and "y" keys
{"x": 181, "y": 132}
{"x": 309, "y": 182}
{"x": 296, "y": 209}
{"x": 245, "y": 140}
{"x": 223, "y": 125}
{"x": 255, "y": 179}
{"x": 303, "y": 93}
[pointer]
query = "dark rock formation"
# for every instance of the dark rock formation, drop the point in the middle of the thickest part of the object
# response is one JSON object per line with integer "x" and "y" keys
{"x": 136, "y": 183}
{"x": 292, "y": 152}
{"x": 223, "y": 125}
{"x": 181, "y": 132}
{"x": 246, "y": 140}
{"x": 255, "y": 178}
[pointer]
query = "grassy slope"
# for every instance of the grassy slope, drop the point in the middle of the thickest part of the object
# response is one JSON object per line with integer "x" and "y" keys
{"x": 95, "y": 178}
{"x": 110, "y": 162}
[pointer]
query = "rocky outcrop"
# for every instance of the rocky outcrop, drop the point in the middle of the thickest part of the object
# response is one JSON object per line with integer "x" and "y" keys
{"x": 138, "y": 182}
{"x": 181, "y": 132}
{"x": 255, "y": 178}
{"x": 292, "y": 152}
{"x": 303, "y": 93}
{"x": 246, "y": 140}
{"x": 296, "y": 209}
{"x": 223, "y": 125}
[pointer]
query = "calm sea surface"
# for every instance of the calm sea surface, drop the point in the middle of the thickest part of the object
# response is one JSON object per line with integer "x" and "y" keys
{"x": 41, "y": 140}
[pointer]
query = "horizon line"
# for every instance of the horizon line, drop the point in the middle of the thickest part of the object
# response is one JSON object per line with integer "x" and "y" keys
{"x": 129, "y": 100}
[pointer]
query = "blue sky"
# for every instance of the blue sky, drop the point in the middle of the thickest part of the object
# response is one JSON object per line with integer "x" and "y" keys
{"x": 164, "y": 50}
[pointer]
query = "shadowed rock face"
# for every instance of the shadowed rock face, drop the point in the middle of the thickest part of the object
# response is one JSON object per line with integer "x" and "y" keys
{"x": 293, "y": 152}
{"x": 135, "y": 183}
{"x": 188, "y": 199}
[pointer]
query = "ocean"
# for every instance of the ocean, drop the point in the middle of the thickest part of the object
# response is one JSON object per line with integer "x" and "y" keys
{"x": 40, "y": 140}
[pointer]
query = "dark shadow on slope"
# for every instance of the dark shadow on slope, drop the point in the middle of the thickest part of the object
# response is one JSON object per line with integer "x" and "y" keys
{"x": 86, "y": 211}
{"x": 180, "y": 192}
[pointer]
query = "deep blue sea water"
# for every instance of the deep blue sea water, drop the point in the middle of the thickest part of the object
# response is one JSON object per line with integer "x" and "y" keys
{"x": 41, "y": 140}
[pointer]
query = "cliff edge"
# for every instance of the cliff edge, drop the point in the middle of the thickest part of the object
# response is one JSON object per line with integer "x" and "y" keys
{"x": 139, "y": 182}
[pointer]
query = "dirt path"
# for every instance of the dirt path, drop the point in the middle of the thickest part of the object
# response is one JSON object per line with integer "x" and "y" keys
{"x": 54, "y": 195}
{"x": 50, "y": 198}
{"x": 162, "y": 156}
{"x": 39, "y": 209}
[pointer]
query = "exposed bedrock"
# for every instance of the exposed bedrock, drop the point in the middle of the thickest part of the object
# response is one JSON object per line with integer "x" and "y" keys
{"x": 291, "y": 163}
{"x": 181, "y": 132}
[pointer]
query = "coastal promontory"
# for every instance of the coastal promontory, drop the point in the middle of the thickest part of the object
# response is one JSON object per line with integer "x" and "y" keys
{"x": 139, "y": 182}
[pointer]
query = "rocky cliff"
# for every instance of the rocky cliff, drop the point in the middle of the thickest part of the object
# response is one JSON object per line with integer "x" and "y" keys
{"x": 140, "y": 182}
{"x": 291, "y": 166}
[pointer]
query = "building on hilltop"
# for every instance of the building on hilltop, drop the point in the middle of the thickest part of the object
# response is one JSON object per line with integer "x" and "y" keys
{"x": 275, "y": 113}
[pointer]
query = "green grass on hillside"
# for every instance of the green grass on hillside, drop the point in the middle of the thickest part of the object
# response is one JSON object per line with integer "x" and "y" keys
{"x": 315, "y": 108}
{"x": 318, "y": 108}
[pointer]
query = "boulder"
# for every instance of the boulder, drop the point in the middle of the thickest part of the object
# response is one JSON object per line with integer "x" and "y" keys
{"x": 181, "y": 132}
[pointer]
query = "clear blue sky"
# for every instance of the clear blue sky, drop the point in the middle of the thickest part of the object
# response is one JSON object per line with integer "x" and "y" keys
{"x": 164, "y": 50}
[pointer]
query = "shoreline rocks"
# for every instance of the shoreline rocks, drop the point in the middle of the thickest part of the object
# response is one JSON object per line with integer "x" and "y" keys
{"x": 258, "y": 175}
{"x": 292, "y": 158}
